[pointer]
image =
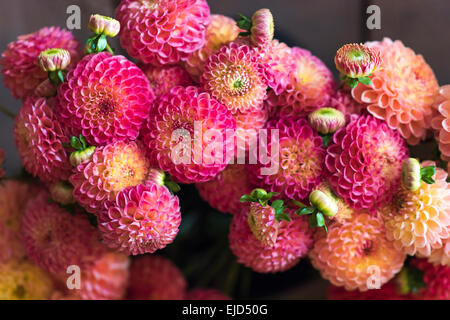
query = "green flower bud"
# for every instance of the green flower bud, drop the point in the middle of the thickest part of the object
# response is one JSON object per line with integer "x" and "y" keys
{"x": 411, "y": 176}
{"x": 323, "y": 203}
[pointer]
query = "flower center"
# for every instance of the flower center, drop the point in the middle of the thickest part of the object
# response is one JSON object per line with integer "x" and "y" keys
{"x": 106, "y": 107}
{"x": 367, "y": 247}
{"x": 356, "y": 55}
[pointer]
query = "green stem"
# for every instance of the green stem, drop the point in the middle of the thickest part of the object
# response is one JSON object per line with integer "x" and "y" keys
{"x": 232, "y": 278}
{"x": 6, "y": 112}
{"x": 109, "y": 49}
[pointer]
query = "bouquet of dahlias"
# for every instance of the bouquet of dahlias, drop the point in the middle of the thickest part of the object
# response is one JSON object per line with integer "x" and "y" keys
{"x": 305, "y": 166}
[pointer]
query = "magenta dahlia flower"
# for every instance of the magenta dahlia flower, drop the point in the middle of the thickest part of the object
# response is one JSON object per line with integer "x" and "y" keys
{"x": 365, "y": 162}
{"x": 172, "y": 142}
{"x": 19, "y": 65}
{"x": 142, "y": 219}
{"x": 111, "y": 169}
{"x": 162, "y": 32}
{"x": 300, "y": 158}
{"x": 39, "y": 139}
{"x": 105, "y": 98}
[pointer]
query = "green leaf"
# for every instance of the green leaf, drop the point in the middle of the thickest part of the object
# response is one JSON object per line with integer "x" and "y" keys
{"x": 427, "y": 174}
{"x": 172, "y": 186}
{"x": 326, "y": 138}
{"x": 277, "y": 204}
{"x": 352, "y": 82}
{"x": 76, "y": 143}
{"x": 320, "y": 219}
{"x": 282, "y": 216}
{"x": 305, "y": 211}
{"x": 83, "y": 141}
{"x": 246, "y": 198}
{"x": 269, "y": 195}
{"x": 244, "y": 23}
{"x": 101, "y": 43}
{"x": 312, "y": 221}
{"x": 365, "y": 80}
{"x": 60, "y": 76}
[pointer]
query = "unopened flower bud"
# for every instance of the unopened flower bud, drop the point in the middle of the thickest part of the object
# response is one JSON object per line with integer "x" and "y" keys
{"x": 54, "y": 59}
{"x": 104, "y": 25}
{"x": 323, "y": 203}
{"x": 261, "y": 32}
{"x": 62, "y": 193}
{"x": 80, "y": 156}
{"x": 357, "y": 60}
{"x": 326, "y": 120}
{"x": 156, "y": 176}
{"x": 411, "y": 176}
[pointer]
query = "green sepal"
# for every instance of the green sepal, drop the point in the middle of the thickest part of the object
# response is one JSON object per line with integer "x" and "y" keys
{"x": 365, "y": 80}
{"x": 326, "y": 138}
{"x": 305, "y": 211}
{"x": 352, "y": 82}
{"x": 101, "y": 43}
{"x": 280, "y": 213}
{"x": 79, "y": 144}
{"x": 427, "y": 173}
{"x": 60, "y": 76}
{"x": 244, "y": 23}
{"x": 246, "y": 198}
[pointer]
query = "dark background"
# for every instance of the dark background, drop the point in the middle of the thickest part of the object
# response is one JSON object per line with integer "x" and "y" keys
{"x": 321, "y": 26}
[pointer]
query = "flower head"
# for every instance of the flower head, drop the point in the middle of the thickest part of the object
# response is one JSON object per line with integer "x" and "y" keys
{"x": 170, "y": 136}
{"x": 347, "y": 254}
{"x": 105, "y": 98}
{"x": 39, "y": 138}
{"x": 326, "y": 120}
{"x": 20, "y": 69}
{"x": 142, "y": 219}
{"x": 401, "y": 92}
{"x": 162, "y": 79}
{"x": 261, "y": 32}
{"x": 236, "y": 77}
{"x": 111, "y": 169}
{"x": 365, "y": 162}
{"x": 162, "y": 32}
{"x": 441, "y": 121}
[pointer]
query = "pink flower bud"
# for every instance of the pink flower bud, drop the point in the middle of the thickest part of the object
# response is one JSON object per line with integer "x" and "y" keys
{"x": 356, "y": 60}
{"x": 262, "y": 28}
{"x": 54, "y": 59}
{"x": 104, "y": 25}
{"x": 326, "y": 120}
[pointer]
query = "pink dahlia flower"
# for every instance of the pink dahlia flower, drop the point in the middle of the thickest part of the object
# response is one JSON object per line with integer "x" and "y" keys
{"x": 402, "y": 90}
{"x": 293, "y": 241}
{"x": 172, "y": 138}
{"x": 236, "y": 77}
{"x": 351, "y": 252}
{"x": 54, "y": 239}
{"x": 19, "y": 64}
{"x": 365, "y": 162}
{"x": 220, "y": 30}
{"x": 162, "y": 79}
{"x": 356, "y": 60}
{"x": 162, "y": 32}
{"x": 298, "y": 162}
{"x": 248, "y": 124}
{"x": 105, "y": 98}
{"x": 142, "y": 219}
{"x": 224, "y": 191}
{"x": 111, "y": 169}
{"x": 155, "y": 278}
{"x": 39, "y": 138}
{"x": 344, "y": 102}
{"x": 441, "y": 121}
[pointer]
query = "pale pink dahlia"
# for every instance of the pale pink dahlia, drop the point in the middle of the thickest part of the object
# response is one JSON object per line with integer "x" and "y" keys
{"x": 302, "y": 82}
{"x": 162, "y": 79}
{"x": 39, "y": 138}
{"x": 441, "y": 255}
{"x": 106, "y": 278}
{"x": 142, "y": 219}
{"x": 296, "y": 166}
{"x": 402, "y": 90}
{"x": 163, "y": 31}
{"x": 365, "y": 162}
{"x": 155, "y": 278}
{"x": 293, "y": 241}
{"x": 185, "y": 135}
{"x": 356, "y": 251}
{"x": 20, "y": 68}
{"x": 418, "y": 222}
{"x": 220, "y": 30}
{"x": 206, "y": 294}
{"x": 14, "y": 196}
{"x": 105, "y": 98}
{"x": 236, "y": 77}
{"x": 111, "y": 169}
{"x": 224, "y": 191}
{"x": 54, "y": 239}
{"x": 441, "y": 121}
